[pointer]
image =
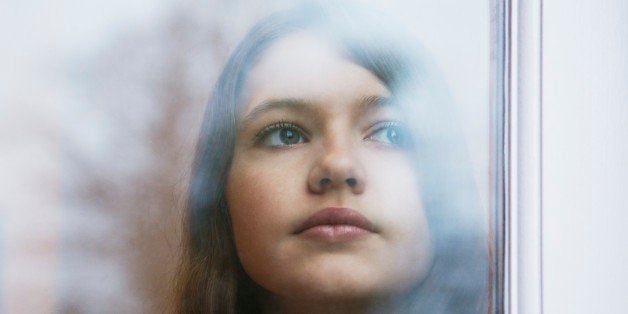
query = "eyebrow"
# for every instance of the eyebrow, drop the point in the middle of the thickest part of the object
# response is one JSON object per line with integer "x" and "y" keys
{"x": 298, "y": 104}
{"x": 366, "y": 104}
{"x": 373, "y": 102}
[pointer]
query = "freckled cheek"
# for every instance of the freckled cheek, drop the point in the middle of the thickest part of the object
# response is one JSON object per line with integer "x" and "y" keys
{"x": 261, "y": 200}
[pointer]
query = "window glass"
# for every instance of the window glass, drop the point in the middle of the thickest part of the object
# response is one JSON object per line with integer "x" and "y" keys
{"x": 364, "y": 136}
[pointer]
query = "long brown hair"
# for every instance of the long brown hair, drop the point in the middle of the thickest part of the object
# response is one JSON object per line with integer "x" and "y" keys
{"x": 211, "y": 278}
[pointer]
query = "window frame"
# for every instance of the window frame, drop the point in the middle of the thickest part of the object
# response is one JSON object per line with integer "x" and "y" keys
{"x": 517, "y": 138}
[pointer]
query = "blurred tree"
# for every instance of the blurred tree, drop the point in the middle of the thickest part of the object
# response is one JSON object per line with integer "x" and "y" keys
{"x": 130, "y": 153}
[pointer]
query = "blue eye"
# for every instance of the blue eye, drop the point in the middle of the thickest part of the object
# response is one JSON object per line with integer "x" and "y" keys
{"x": 281, "y": 134}
{"x": 391, "y": 133}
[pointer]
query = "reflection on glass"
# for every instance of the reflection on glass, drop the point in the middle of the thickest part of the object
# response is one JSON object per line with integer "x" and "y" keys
{"x": 343, "y": 161}
{"x": 332, "y": 175}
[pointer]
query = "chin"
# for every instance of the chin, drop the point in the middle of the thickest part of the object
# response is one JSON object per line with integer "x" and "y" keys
{"x": 337, "y": 289}
{"x": 340, "y": 281}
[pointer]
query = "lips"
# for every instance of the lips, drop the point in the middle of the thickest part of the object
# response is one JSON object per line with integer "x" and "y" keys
{"x": 334, "y": 224}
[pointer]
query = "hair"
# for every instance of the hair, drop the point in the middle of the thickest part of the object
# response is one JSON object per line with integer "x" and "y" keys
{"x": 211, "y": 278}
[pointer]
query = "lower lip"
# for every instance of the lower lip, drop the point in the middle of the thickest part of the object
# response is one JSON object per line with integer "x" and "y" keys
{"x": 335, "y": 233}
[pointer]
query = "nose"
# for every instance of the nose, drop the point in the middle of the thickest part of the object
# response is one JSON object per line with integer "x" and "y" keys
{"x": 337, "y": 168}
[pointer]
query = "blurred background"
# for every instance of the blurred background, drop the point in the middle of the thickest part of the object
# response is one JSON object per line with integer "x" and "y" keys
{"x": 100, "y": 105}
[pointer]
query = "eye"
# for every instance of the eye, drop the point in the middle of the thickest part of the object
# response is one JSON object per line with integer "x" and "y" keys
{"x": 281, "y": 134}
{"x": 390, "y": 133}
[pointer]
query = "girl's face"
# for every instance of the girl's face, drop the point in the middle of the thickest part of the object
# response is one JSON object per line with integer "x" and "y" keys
{"x": 322, "y": 191}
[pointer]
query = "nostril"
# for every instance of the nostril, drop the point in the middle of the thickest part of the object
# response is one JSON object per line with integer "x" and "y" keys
{"x": 325, "y": 182}
{"x": 351, "y": 182}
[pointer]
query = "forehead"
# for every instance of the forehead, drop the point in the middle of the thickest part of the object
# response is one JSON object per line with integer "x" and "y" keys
{"x": 303, "y": 65}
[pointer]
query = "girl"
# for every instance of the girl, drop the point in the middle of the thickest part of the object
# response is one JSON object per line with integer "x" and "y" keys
{"x": 329, "y": 178}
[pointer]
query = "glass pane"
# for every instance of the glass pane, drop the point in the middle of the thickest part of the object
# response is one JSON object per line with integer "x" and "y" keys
{"x": 345, "y": 158}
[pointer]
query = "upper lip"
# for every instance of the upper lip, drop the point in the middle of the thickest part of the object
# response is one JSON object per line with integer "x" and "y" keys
{"x": 336, "y": 216}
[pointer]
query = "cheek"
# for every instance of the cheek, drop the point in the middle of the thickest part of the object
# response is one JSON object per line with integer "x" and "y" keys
{"x": 393, "y": 184}
{"x": 260, "y": 198}
{"x": 395, "y": 190}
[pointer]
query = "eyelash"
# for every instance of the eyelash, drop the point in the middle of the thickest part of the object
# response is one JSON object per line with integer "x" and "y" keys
{"x": 379, "y": 125}
{"x": 264, "y": 134}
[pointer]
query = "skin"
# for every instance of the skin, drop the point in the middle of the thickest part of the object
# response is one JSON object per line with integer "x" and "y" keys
{"x": 341, "y": 130}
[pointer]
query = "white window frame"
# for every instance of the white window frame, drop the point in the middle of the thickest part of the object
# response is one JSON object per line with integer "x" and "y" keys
{"x": 517, "y": 95}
